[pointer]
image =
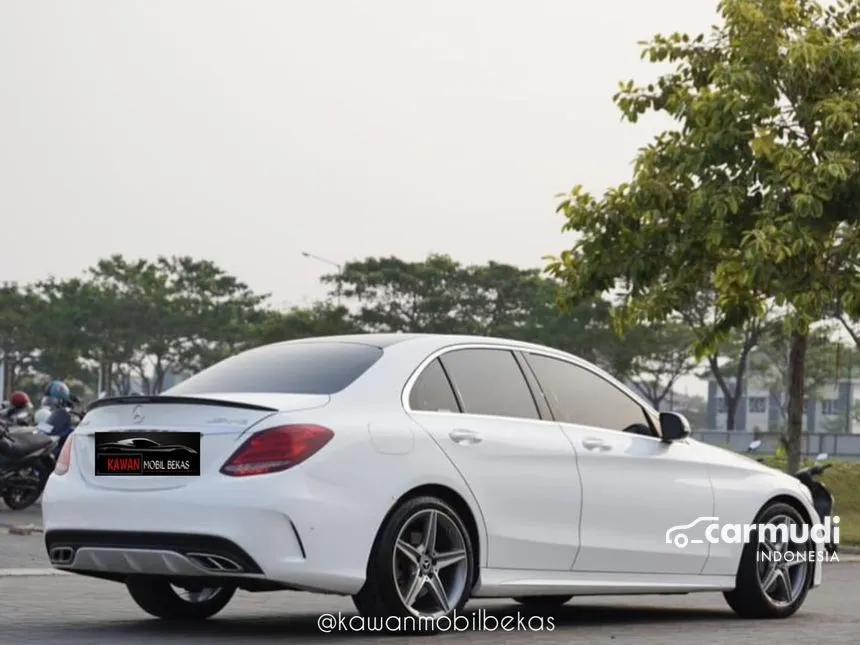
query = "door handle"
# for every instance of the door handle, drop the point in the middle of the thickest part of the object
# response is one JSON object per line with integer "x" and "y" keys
{"x": 596, "y": 444}
{"x": 465, "y": 437}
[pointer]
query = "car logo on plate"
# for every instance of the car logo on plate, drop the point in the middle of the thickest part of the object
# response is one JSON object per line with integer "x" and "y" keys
{"x": 137, "y": 414}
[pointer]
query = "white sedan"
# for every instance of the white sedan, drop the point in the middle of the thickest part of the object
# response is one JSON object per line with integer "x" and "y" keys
{"x": 413, "y": 472}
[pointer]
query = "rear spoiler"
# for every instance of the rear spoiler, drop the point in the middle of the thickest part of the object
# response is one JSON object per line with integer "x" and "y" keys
{"x": 179, "y": 400}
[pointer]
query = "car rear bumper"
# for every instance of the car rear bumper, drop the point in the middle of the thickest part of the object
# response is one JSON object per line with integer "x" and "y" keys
{"x": 316, "y": 537}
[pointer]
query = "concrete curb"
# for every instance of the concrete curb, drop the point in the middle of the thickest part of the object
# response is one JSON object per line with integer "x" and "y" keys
{"x": 21, "y": 529}
{"x": 31, "y": 573}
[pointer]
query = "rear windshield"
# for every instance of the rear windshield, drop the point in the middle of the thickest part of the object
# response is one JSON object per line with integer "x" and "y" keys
{"x": 303, "y": 368}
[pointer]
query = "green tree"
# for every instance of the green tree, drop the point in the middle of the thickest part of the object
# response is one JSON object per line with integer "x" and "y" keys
{"x": 506, "y": 301}
{"x": 189, "y": 312}
{"x": 660, "y": 355}
{"x": 727, "y": 360}
{"x": 393, "y": 295}
{"x": 439, "y": 295}
{"x": 321, "y": 319}
{"x": 18, "y": 346}
{"x": 84, "y": 323}
{"x": 582, "y": 329}
{"x": 754, "y": 194}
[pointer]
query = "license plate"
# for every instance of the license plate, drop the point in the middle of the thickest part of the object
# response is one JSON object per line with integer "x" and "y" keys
{"x": 147, "y": 454}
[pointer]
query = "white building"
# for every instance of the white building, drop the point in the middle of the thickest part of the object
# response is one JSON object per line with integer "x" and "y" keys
{"x": 834, "y": 408}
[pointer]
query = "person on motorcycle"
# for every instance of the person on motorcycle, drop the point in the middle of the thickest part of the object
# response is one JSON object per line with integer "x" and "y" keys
{"x": 57, "y": 394}
{"x": 20, "y": 409}
{"x": 42, "y": 415}
{"x": 64, "y": 417}
{"x": 20, "y": 401}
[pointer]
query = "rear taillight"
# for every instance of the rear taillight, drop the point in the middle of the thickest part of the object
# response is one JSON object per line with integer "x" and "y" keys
{"x": 276, "y": 449}
{"x": 64, "y": 461}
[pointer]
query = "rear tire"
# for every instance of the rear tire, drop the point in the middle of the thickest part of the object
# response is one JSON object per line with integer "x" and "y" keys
{"x": 404, "y": 559}
{"x": 159, "y": 598}
{"x": 542, "y": 602}
{"x": 752, "y": 596}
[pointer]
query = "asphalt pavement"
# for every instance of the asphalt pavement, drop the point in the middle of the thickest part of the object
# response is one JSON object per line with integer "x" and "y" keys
{"x": 39, "y": 606}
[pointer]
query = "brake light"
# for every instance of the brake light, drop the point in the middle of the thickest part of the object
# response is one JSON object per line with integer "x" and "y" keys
{"x": 276, "y": 449}
{"x": 64, "y": 461}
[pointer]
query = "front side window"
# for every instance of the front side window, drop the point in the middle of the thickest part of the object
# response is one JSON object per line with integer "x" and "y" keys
{"x": 578, "y": 396}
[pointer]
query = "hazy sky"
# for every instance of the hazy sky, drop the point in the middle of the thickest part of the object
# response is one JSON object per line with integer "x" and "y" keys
{"x": 249, "y": 131}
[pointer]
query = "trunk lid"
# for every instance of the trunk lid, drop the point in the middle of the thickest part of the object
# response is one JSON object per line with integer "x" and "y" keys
{"x": 221, "y": 420}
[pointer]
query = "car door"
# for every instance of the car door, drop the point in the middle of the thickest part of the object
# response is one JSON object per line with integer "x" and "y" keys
{"x": 478, "y": 407}
{"x": 635, "y": 487}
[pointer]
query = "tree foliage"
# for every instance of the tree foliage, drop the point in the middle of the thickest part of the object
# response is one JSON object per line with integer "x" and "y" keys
{"x": 134, "y": 324}
{"x": 663, "y": 356}
{"x": 17, "y": 341}
{"x": 753, "y": 195}
{"x": 440, "y": 295}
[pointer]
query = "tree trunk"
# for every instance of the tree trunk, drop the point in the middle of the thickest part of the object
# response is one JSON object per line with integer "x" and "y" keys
{"x": 731, "y": 410}
{"x": 796, "y": 394}
{"x": 106, "y": 378}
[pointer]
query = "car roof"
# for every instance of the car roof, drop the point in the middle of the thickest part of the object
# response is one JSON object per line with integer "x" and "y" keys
{"x": 375, "y": 340}
{"x": 435, "y": 341}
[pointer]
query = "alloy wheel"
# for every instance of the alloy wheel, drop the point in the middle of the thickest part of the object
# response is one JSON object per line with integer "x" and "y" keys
{"x": 430, "y": 563}
{"x": 782, "y": 564}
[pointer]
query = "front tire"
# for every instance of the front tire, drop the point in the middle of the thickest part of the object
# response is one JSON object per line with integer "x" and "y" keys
{"x": 161, "y": 599}
{"x": 770, "y": 584}
{"x": 421, "y": 565}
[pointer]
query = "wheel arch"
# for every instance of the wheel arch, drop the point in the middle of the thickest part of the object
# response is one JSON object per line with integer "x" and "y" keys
{"x": 795, "y": 502}
{"x": 780, "y": 498}
{"x": 456, "y": 501}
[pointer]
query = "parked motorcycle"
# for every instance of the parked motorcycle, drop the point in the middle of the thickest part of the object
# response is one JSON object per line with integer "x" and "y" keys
{"x": 823, "y": 500}
{"x": 26, "y": 462}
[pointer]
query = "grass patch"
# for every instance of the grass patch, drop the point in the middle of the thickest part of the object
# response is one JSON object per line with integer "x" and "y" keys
{"x": 843, "y": 480}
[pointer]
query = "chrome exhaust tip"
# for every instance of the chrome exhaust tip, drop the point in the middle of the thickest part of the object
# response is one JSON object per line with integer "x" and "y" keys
{"x": 214, "y": 563}
{"x": 62, "y": 555}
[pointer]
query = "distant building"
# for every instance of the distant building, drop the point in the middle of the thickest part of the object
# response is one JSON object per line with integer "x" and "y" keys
{"x": 761, "y": 409}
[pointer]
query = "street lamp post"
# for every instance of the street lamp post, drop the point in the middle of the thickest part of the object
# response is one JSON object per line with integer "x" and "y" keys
{"x": 337, "y": 265}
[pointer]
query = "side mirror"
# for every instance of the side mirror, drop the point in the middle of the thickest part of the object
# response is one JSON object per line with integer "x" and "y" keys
{"x": 821, "y": 456}
{"x": 754, "y": 445}
{"x": 674, "y": 426}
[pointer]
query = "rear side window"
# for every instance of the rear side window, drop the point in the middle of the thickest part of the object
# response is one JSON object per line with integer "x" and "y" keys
{"x": 490, "y": 381}
{"x": 301, "y": 368}
{"x": 432, "y": 392}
